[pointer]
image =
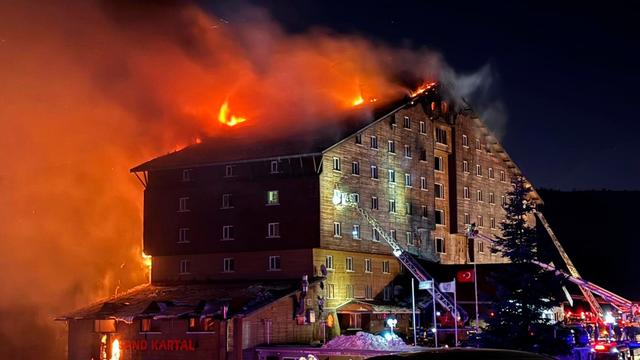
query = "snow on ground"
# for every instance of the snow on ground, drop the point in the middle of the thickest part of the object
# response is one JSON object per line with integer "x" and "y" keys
{"x": 365, "y": 341}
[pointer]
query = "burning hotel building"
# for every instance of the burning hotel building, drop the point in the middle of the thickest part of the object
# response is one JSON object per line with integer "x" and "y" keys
{"x": 248, "y": 247}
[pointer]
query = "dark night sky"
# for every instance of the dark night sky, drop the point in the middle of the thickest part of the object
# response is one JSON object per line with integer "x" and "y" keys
{"x": 568, "y": 74}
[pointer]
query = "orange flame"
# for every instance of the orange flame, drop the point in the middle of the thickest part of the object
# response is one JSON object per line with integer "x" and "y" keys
{"x": 223, "y": 116}
{"x": 422, "y": 88}
{"x": 115, "y": 350}
{"x": 359, "y": 100}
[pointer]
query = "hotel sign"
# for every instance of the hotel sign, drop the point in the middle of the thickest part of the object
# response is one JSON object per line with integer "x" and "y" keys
{"x": 157, "y": 345}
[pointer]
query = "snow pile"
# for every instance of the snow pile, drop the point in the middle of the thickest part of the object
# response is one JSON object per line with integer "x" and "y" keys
{"x": 365, "y": 341}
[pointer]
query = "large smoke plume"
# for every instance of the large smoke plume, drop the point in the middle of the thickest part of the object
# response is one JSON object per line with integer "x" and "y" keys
{"x": 88, "y": 89}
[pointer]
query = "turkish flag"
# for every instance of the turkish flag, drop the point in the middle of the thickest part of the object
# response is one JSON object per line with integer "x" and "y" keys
{"x": 465, "y": 276}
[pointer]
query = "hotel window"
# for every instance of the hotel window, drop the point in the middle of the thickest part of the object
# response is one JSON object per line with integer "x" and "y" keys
{"x": 336, "y": 163}
{"x": 331, "y": 291}
{"x": 480, "y": 221}
{"x": 493, "y": 223}
{"x": 356, "y": 198}
{"x": 465, "y": 193}
{"x": 440, "y": 248}
{"x": 438, "y": 164}
{"x": 368, "y": 292}
{"x": 392, "y": 234}
{"x": 367, "y": 265}
{"x": 423, "y": 127}
{"x": 274, "y": 167}
{"x": 150, "y": 326}
{"x": 185, "y": 266}
{"x": 183, "y": 235}
{"x": 467, "y": 219}
{"x": 492, "y": 199}
{"x": 337, "y": 229}
{"x": 392, "y": 206}
{"x": 328, "y": 262}
{"x": 227, "y": 232}
{"x": 186, "y": 175}
{"x": 407, "y": 151}
{"x": 392, "y": 176}
{"x": 465, "y": 166}
{"x": 349, "y": 291}
{"x": 391, "y": 147}
{"x": 228, "y": 170}
{"x": 439, "y": 191}
{"x": 478, "y": 170}
{"x": 465, "y": 141}
{"x": 349, "y": 263}
{"x": 228, "y": 265}
{"x": 355, "y": 168}
{"x": 503, "y": 200}
{"x": 183, "y": 204}
{"x": 439, "y": 217}
{"x": 407, "y": 180}
{"x": 274, "y": 263}
{"x": 198, "y": 325}
{"x": 503, "y": 176}
{"x": 424, "y": 211}
{"x": 226, "y": 201}
{"x": 273, "y": 230}
{"x": 273, "y": 197}
{"x": 409, "y": 238}
{"x": 385, "y": 267}
{"x": 358, "y": 138}
{"x": 355, "y": 233}
{"x": 441, "y": 136}
{"x": 423, "y": 155}
{"x": 374, "y": 142}
{"x": 374, "y": 172}
{"x": 104, "y": 326}
{"x": 375, "y": 235}
{"x": 374, "y": 203}
{"x": 386, "y": 296}
{"x": 408, "y": 208}
{"x": 480, "y": 246}
{"x": 479, "y": 196}
{"x": 478, "y": 146}
{"x": 491, "y": 176}
{"x": 423, "y": 183}
{"x": 407, "y": 122}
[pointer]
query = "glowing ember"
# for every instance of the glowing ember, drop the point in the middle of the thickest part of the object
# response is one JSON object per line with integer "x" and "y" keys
{"x": 224, "y": 118}
{"x": 421, "y": 89}
{"x": 359, "y": 100}
{"x": 146, "y": 260}
{"x": 115, "y": 350}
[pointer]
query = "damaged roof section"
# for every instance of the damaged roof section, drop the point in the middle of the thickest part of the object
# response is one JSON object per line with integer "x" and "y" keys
{"x": 217, "y": 300}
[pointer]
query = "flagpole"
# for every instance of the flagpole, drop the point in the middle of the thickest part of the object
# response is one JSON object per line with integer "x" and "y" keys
{"x": 435, "y": 323}
{"x": 455, "y": 307}
{"x": 475, "y": 285}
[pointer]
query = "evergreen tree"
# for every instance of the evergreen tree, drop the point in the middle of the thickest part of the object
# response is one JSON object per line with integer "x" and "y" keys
{"x": 525, "y": 291}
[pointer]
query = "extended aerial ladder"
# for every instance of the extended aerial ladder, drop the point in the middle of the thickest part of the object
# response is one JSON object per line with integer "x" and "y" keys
{"x": 340, "y": 198}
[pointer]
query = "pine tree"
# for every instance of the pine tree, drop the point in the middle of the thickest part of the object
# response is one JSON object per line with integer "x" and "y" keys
{"x": 525, "y": 291}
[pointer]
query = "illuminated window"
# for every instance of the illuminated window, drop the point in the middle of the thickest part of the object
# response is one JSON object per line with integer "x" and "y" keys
{"x": 492, "y": 199}
{"x": 439, "y": 217}
{"x": 355, "y": 168}
{"x": 465, "y": 193}
{"x": 491, "y": 176}
{"x": 186, "y": 175}
{"x": 374, "y": 172}
{"x": 479, "y": 196}
{"x": 392, "y": 176}
{"x": 358, "y": 138}
{"x": 386, "y": 296}
{"x": 355, "y": 233}
{"x": 465, "y": 141}
{"x": 337, "y": 229}
{"x": 407, "y": 122}
{"x": 227, "y": 201}
{"x": 273, "y": 197}
{"x": 391, "y": 146}
{"x": 478, "y": 170}
{"x": 273, "y": 230}
{"x": 197, "y": 324}
{"x": 228, "y": 265}
{"x": 375, "y": 235}
{"x": 328, "y": 262}
{"x": 408, "y": 207}
{"x": 392, "y": 206}
{"x": 467, "y": 219}
{"x": 183, "y": 204}
{"x": 407, "y": 180}
{"x": 336, "y": 163}
{"x": 407, "y": 151}
{"x": 185, "y": 266}
{"x": 439, "y": 245}
{"x": 228, "y": 170}
{"x": 349, "y": 263}
{"x": 441, "y": 136}
{"x": 104, "y": 326}
{"x": 409, "y": 238}
{"x": 367, "y": 265}
{"x": 385, "y": 267}
{"x": 374, "y": 142}
{"x": 227, "y": 232}
{"x": 480, "y": 221}
{"x": 183, "y": 235}
{"x": 274, "y": 263}
{"x": 150, "y": 325}
{"x": 423, "y": 127}
{"x": 374, "y": 203}
{"x": 274, "y": 167}
{"x": 438, "y": 164}
{"x": 439, "y": 191}
{"x": 423, "y": 183}
{"x": 465, "y": 166}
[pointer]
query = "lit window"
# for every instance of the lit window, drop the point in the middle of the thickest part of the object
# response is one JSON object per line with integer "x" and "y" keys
{"x": 439, "y": 217}
{"x": 198, "y": 325}
{"x": 441, "y": 136}
{"x": 407, "y": 151}
{"x": 440, "y": 248}
{"x": 467, "y": 219}
{"x": 478, "y": 170}
{"x": 183, "y": 204}
{"x": 424, "y": 211}
{"x": 438, "y": 164}
{"x": 391, "y": 147}
{"x": 185, "y": 266}
{"x": 392, "y": 206}
{"x": 374, "y": 172}
{"x": 423, "y": 183}
{"x": 439, "y": 191}
{"x": 183, "y": 235}
{"x": 367, "y": 265}
{"x": 375, "y": 235}
{"x": 423, "y": 127}
{"x": 407, "y": 180}
{"x": 407, "y": 122}
{"x": 465, "y": 166}
{"x": 274, "y": 167}
{"x": 337, "y": 229}
{"x": 392, "y": 176}
{"x": 480, "y": 221}
{"x": 274, "y": 263}
{"x": 336, "y": 163}
{"x": 273, "y": 230}
{"x": 385, "y": 267}
{"x": 374, "y": 203}
{"x": 328, "y": 262}
{"x": 273, "y": 197}
{"x": 228, "y": 170}
{"x": 349, "y": 263}
{"x": 186, "y": 175}
{"x": 150, "y": 325}
{"x": 227, "y": 232}
{"x": 491, "y": 176}
{"x": 355, "y": 168}
{"x": 105, "y": 326}
{"x": 409, "y": 238}
{"x": 492, "y": 199}
{"x": 228, "y": 265}
{"x": 408, "y": 207}
{"x": 465, "y": 141}
{"x": 227, "y": 201}
{"x": 479, "y": 196}
{"x": 355, "y": 232}
{"x": 374, "y": 142}
{"x": 465, "y": 193}
{"x": 358, "y": 138}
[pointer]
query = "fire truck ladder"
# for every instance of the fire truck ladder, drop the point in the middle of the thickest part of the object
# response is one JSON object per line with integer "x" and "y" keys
{"x": 405, "y": 257}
